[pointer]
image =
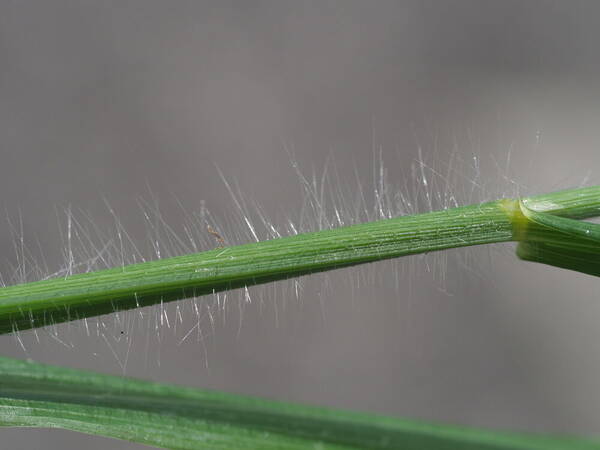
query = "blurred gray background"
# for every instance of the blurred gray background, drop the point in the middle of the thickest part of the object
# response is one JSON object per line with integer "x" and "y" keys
{"x": 110, "y": 102}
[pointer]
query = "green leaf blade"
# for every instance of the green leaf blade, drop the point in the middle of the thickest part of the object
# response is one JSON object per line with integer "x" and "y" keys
{"x": 167, "y": 416}
{"x": 559, "y": 241}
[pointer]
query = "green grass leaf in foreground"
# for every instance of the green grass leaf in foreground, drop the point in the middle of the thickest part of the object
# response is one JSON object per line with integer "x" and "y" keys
{"x": 547, "y": 229}
{"x": 36, "y": 395}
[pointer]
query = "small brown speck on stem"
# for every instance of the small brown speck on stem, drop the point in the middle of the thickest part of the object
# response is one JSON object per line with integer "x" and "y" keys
{"x": 217, "y": 236}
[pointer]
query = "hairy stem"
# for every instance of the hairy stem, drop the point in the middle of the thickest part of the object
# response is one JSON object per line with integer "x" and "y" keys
{"x": 41, "y": 303}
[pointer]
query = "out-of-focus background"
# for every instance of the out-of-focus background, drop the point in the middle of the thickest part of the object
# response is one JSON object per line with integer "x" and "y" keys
{"x": 133, "y": 104}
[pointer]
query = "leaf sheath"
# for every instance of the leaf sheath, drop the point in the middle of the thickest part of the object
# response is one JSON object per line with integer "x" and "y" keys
{"x": 41, "y": 303}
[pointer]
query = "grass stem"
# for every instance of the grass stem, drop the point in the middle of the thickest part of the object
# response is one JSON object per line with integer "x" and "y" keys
{"x": 52, "y": 301}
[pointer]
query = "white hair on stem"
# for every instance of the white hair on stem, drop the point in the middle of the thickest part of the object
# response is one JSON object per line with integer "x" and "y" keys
{"x": 433, "y": 180}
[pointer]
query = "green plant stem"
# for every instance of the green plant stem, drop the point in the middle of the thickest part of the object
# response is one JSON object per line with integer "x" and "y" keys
{"x": 41, "y": 303}
{"x": 32, "y": 394}
{"x": 565, "y": 243}
{"x": 37, "y": 395}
